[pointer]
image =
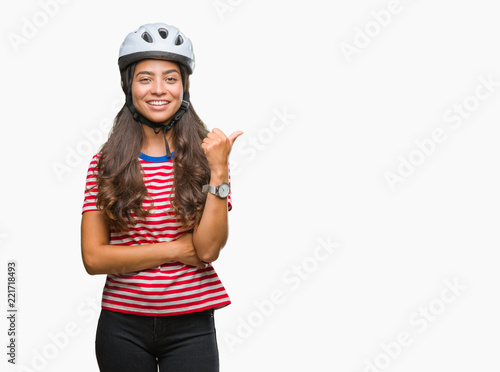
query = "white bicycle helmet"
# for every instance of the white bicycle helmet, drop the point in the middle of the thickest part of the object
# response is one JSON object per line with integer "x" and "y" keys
{"x": 156, "y": 40}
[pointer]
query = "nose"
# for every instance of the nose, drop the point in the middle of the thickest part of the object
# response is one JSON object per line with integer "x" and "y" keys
{"x": 158, "y": 87}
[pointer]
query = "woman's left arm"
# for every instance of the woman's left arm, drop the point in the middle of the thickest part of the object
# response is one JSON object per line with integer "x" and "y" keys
{"x": 210, "y": 235}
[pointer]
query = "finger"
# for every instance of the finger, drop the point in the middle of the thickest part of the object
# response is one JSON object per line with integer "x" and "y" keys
{"x": 234, "y": 135}
{"x": 218, "y": 133}
{"x": 201, "y": 265}
{"x": 210, "y": 140}
{"x": 213, "y": 135}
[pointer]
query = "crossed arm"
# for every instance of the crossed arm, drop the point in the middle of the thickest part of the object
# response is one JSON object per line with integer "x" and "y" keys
{"x": 203, "y": 245}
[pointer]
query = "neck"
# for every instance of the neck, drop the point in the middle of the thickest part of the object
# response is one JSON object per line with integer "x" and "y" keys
{"x": 154, "y": 144}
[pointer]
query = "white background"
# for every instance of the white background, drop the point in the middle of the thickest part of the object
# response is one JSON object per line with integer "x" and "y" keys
{"x": 319, "y": 175}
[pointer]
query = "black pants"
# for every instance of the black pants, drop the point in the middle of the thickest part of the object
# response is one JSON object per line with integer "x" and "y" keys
{"x": 136, "y": 343}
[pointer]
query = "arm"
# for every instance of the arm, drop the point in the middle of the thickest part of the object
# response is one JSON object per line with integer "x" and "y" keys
{"x": 210, "y": 235}
{"x": 100, "y": 257}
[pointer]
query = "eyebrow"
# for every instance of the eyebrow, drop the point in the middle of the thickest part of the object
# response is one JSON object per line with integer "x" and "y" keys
{"x": 151, "y": 73}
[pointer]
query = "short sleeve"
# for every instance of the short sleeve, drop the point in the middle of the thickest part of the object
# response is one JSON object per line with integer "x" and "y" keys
{"x": 90, "y": 195}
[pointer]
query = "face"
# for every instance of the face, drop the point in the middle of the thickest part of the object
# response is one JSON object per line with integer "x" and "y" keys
{"x": 157, "y": 89}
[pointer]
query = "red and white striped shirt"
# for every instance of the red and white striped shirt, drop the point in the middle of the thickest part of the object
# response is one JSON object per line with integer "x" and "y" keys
{"x": 172, "y": 288}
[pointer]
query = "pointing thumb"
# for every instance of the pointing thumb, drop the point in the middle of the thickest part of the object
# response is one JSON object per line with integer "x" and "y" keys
{"x": 232, "y": 137}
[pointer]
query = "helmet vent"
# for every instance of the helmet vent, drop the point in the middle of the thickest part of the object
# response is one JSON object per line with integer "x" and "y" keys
{"x": 179, "y": 40}
{"x": 147, "y": 37}
{"x": 163, "y": 33}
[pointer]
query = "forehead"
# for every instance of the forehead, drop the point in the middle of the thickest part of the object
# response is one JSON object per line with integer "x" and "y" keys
{"x": 156, "y": 64}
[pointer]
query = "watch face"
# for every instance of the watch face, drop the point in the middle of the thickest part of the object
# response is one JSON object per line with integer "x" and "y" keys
{"x": 223, "y": 190}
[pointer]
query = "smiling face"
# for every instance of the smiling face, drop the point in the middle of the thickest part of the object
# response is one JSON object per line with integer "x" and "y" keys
{"x": 157, "y": 89}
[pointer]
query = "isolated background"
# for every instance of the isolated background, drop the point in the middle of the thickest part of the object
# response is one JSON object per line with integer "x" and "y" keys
{"x": 317, "y": 176}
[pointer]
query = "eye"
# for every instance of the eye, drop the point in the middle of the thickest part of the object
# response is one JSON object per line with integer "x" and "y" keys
{"x": 171, "y": 79}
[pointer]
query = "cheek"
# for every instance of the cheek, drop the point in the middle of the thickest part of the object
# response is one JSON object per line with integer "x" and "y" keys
{"x": 178, "y": 92}
{"x": 136, "y": 93}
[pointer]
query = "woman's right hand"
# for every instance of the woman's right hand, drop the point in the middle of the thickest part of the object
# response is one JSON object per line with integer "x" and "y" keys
{"x": 185, "y": 252}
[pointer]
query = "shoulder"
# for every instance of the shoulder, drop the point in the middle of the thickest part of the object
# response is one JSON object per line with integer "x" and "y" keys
{"x": 94, "y": 162}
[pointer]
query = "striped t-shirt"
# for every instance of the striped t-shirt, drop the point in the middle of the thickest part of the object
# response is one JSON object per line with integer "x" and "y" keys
{"x": 172, "y": 288}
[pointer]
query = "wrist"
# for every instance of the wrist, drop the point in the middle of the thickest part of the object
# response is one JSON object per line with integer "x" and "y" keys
{"x": 219, "y": 176}
{"x": 170, "y": 250}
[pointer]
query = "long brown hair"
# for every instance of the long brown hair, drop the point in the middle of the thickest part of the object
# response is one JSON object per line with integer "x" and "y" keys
{"x": 120, "y": 185}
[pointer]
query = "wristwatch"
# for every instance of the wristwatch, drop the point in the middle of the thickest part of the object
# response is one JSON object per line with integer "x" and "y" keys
{"x": 222, "y": 191}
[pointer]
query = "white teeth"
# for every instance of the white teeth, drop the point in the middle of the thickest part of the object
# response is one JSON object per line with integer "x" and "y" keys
{"x": 158, "y": 103}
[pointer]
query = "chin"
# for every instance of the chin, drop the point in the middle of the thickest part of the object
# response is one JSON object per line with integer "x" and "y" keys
{"x": 159, "y": 119}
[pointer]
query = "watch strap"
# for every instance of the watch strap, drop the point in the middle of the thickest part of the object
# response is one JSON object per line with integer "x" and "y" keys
{"x": 211, "y": 189}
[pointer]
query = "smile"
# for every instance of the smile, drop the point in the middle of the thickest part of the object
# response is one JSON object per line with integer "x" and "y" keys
{"x": 158, "y": 103}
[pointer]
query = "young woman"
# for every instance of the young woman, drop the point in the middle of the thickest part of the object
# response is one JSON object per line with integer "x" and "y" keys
{"x": 155, "y": 215}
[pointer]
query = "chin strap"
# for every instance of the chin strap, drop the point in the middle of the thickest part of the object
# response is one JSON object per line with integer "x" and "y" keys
{"x": 157, "y": 128}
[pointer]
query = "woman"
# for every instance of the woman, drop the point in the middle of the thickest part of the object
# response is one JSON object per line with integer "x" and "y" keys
{"x": 155, "y": 215}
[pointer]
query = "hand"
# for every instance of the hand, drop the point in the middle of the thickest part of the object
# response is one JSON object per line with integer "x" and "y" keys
{"x": 217, "y": 148}
{"x": 186, "y": 253}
